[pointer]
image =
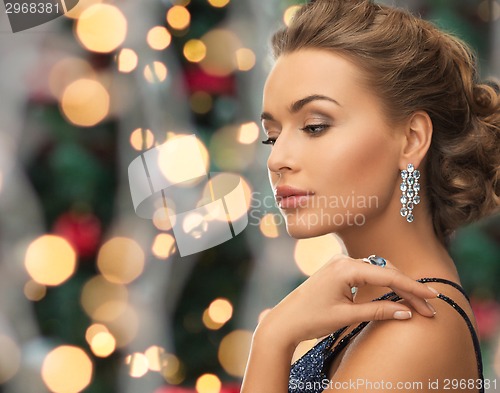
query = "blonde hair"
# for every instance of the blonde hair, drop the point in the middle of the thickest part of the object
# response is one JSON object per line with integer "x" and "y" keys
{"x": 412, "y": 65}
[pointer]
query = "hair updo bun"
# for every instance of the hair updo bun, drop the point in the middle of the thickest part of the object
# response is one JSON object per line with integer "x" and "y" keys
{"x": 413, "y": 66}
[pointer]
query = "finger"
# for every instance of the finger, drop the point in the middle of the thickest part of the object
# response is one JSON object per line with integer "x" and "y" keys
{"x": 394, "y": 279}
{"x": 380, "y": 310}
{"x": 419, "y": 304}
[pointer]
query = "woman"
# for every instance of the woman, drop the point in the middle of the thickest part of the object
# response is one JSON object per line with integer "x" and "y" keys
{"x": 372, "y": 106}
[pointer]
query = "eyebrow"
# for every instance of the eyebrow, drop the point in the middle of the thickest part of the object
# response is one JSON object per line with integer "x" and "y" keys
{"x": 299, "y": 104}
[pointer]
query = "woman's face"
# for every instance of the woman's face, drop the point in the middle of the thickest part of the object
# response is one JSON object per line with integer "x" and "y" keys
{"x": 331, "y": 142}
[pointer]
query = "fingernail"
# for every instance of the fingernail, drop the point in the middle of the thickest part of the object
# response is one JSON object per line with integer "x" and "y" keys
{"x": 434, "y": 290}
{"x": 402, "y": 315}
{"x": 430, "y": 307}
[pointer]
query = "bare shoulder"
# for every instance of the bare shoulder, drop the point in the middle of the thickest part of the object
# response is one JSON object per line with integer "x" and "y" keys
{"x": 417, "y": 350}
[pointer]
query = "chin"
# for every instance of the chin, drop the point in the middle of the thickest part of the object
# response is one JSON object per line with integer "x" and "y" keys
{"x": 305, "y": 231}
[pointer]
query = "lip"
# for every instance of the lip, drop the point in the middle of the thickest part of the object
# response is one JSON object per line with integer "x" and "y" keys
{"x": 291, "y": 197}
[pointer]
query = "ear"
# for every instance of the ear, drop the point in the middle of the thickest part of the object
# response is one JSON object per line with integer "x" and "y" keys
{"x": 417, "y": 139}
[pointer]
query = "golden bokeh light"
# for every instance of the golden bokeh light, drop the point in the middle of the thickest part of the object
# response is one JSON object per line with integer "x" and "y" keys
{"x": 93, "y": 329}
{"x": 121, "y": 260}
{"x": 233, "y": 352}
{"x": 10, "y": 358}
{"x": 209, "y": 322}
{"x": 103, "y": 300}
{"x": 163, "y": 246}
{"x": 220, "y": 59}
{"x": 101, "y": 28}
{"x": 176, "y": 160}
{"x": 222, "y": 186}
{"x": 178, "y": 17}
{"x": 138, "y": 364}
{"x": 154, "y": 355}
{"x": 81, "y": 6}
{"x": 156, "y": 72}
{"x": 103, "y": 344}
{"x": 158, "y": 38}
{"x": 66, "y": 71}
{"x": 228, "y": 152}
{"x": 312, "y": 253}
{"x": 268, "y": 225}
{"x": 208, "y": 383}
{"x": 248, "y": 133}
{"x": 127, "y": 60}
{"x": 142, "y": 139}
{"x": 125, "y": 327}
{"x": 50, "y": 260}
{"x": 220, "y": 310}
{"x": 164, "y": 218}
{"x": 34, "y": 291}
{"x": 290, "y": 13}
{"x": 85, "y": 102}
{"x": 302, "y": 348}
{"x": 67, "y": 369}
{"x": 245, "y": 59}
{"x": 170, "y": 366}
{"x": 201, "y": 102}
{"x": 218, "y": 3}
{"x": 194, "y": 50}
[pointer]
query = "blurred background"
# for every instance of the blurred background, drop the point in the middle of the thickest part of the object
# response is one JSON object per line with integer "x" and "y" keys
{"x": 94, "y": 298}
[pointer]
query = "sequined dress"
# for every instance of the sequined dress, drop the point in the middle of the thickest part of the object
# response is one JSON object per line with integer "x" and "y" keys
{"x": 309, "y": 374}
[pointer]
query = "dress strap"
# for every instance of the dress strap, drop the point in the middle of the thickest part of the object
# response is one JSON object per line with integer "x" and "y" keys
{"x": 333, "y": 352}
{"x": 444, "y": 281}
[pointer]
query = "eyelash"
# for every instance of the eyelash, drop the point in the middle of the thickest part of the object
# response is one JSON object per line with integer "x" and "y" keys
{"x": 315, "y": 129}
{"x": 312, "y": 129}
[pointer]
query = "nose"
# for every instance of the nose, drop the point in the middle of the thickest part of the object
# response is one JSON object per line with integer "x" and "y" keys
{"x": 283, "y": 156}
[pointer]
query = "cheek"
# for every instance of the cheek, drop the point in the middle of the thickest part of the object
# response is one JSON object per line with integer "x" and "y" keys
{"x": 362, "y": 163}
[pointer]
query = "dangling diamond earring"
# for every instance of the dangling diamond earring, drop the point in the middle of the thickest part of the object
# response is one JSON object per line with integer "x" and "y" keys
{"x": 409, "y": 188}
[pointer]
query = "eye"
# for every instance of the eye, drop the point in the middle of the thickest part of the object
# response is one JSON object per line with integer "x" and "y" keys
{"x": 269, "y": 141}
{"x": 315, "y": 129}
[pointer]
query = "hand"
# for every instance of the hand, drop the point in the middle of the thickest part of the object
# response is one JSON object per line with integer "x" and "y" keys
{"x": 324, "y": 302}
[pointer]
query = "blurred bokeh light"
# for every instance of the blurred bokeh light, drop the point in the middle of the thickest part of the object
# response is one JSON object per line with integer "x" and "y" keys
{"x": 195, "y": 50}
{"x": 233, "y": 352}
{"x": 85, "y": 102}
{"x": 101, "y": 28}
{"x": 142, "y": 139}
{"x": 155, "y": 72}
{"x": 127, "y": 60}
{"x": 50, "y": 260}
{"x": 208, "y": 383}
{"x": 159, "y": 38}
{"x": 67, "y": 369}
{"x": 178, "y": 17}
{"x": 121, "y": 260}
{"x": 312, "y": 253}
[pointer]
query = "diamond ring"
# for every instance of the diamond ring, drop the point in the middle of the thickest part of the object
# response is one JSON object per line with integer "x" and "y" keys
{"x": 375, "y": 260}
{"x": 372, "y": 260}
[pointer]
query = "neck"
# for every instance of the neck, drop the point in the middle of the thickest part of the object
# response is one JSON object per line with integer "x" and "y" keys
{"x": 413, "y": 248}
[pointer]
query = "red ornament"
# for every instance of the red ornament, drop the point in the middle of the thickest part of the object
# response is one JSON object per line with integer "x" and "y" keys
{"x": 81, "y": 230}
{"x": 199, "y": 80}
